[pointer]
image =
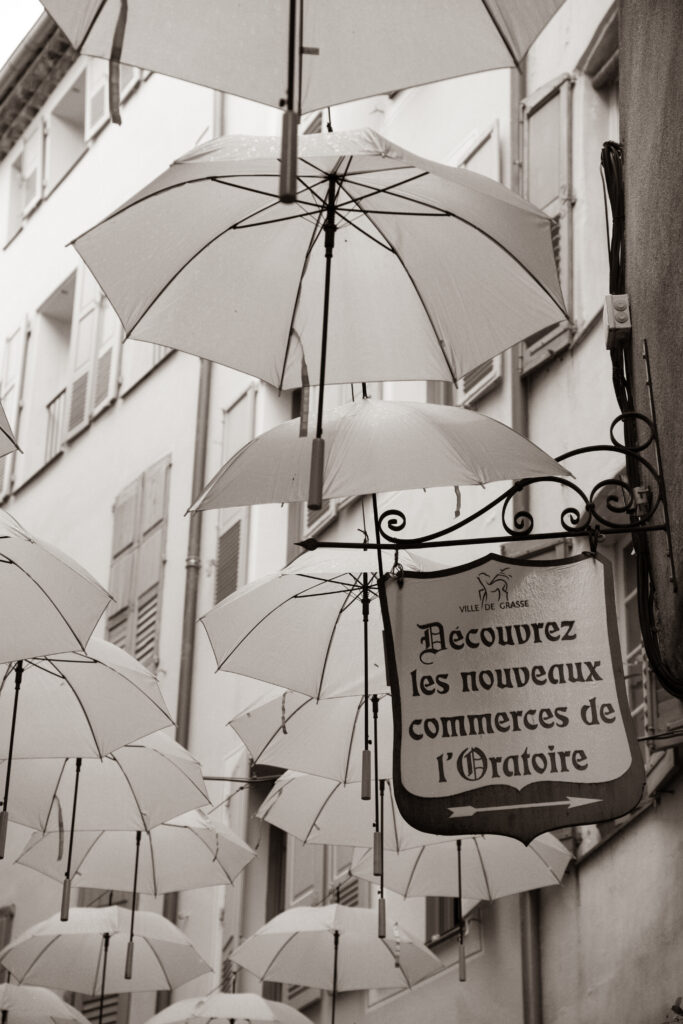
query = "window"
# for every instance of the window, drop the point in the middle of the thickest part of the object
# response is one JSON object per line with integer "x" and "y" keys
{"x": 233, "y": 523}
{"x": 6, "y": 921}
{"x": 26, "y": 178}
{"x": 138, "y": 358}
{"x": 11, "y": 377}
{"x": 97, "y": 106}
{"x": 547, "y": 182}
{"x": 95, "y": 348}
{"x": 441, "y": 917}
{"x": 66, "y": 133}
{"x": 135, "y": 581}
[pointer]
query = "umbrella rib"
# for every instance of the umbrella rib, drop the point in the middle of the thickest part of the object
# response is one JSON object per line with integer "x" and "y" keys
{"x": 83, "y": 709}
{"x": 323, "y": 669}
{"x": 134, "y": 794}
{"x": 54, "y": 792}
{"x": 417, "y": 292}
{"x": 411, "y": 875}
{"x": 288, "y": 719}
{"x": 483, "y": 869}
{"x": 277, "y": 954}
{"x": 374, "y": 190}
{"x": 54, "y": 605}
{"x": 322, "y": 807}
{"x": 359, "y": 707}
{"x": 152, "y": 862}
{"x": 354, "y": 224}
{"x": 485, "y": 4}
{"x": 157, "y": 958}
{"x": 37, "y": 957}
{"x": 92, "y": 24}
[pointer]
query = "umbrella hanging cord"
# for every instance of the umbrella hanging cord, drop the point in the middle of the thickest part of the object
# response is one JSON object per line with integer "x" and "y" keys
{"x": 104, "y": 975}
{"x": 18, "y": 674}
{"x": 128, "y": 974}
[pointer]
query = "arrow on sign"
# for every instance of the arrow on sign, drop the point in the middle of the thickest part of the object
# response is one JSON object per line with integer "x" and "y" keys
{"x": 569, "y": 802}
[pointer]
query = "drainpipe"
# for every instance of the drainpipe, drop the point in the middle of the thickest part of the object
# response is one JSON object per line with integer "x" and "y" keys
{"x": 532, "y": 993}
{"x": 192, "y": 567}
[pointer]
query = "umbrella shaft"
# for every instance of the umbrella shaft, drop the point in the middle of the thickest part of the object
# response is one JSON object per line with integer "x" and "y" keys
{"x": 18, "y": 673}
{"x": 104, "y": 975}
{"x": 334, "y": 974}
{"x": 329, "y": 230}
{"x": 66, "y": 891}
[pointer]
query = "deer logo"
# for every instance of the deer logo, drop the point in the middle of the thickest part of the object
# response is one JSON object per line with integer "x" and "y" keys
{"x": 497, "y": 585}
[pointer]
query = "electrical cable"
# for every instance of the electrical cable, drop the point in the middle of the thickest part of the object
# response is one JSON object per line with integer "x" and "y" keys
{"x": 612, "y": 164}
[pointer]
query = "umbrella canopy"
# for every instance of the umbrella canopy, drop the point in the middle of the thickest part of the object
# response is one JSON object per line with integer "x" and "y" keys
{"x": 189, "y": 852}
{"x": 7, "y": 440}
{"x": 319, "y": 737}
{"x": 436, "y": 269}
{"x": 135, "y": 787}
{"x": 302, "y": 632}
{"x": 48, "y": 603}
{"x": 298, "y": 946}
{"x": 347, "y": 51}
{"x": 80, "y": 704}
{"x": 378, "y": 446}
{"x": 31, "y": 1004}
{"x": 227, "y": 1008}
{"x": 492, "y": 866}
{"x": 320, "y": 810}
{"x": 71, "y": 954}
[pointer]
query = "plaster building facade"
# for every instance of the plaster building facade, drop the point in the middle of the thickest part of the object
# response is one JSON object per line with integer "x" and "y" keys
{"x": 118, "y": 438}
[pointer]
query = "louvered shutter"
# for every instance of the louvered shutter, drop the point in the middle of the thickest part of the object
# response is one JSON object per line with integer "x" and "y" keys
{"x": 97, "y": 96}
{"x": 106, "y": 355}
{"x": 32, "y": 168}
{"x": 121, "y": 579}
{"x": 149, "y": 564}
{"x": 90, "y": 1008}
{"x": 341, "y": 886}
{"x": 6, "y": 922}
{"x": 228, "y": 561}
{"x": 84, "y": 329}
{"x": 11, "y": 383}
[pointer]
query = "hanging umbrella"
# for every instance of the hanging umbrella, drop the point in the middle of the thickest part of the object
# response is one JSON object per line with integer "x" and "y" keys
{"x": 48, "y": 603}
{"x": 227, "y": 1008}
{"x": 320, "y": 810}
{"x": 436, "y": 269}
{"x": 87, "y": 953}
{"x": 81, "y": 704}
{"x": 319, "y": 737}
{"x": 133, "y": 788}
{"x": 306, "y": 55}
{"x": 491, "y": 866}
{"x": 375, "y": 446}
{"x": 335, "y": 948}
{"x": 7, "y": 440}
{"x": 31, "y": 1004}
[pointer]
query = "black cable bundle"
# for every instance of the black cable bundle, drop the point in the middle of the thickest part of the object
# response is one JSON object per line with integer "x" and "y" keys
{"x": 611, "y": 160}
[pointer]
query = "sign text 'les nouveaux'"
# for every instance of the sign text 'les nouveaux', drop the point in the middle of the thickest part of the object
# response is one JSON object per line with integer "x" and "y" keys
{"x": 510, "y": 708}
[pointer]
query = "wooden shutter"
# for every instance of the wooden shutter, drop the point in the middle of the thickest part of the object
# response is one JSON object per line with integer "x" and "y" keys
{"x": 547, "y": 182}
{"x": 111, "y": 1009}
{"x": 97, "y": 96}
{"x": 107, "y": 350}
{"x": 122, "y": 575}
{"x": 341, "y": 886}
{"x": 11, "y": 385}
{"x": 229, "y": 561}
{"x": 6, "y": 922}
{"x": 84, "y": 329}
{"x": 32, "y": 168}
{"x": 304, "y": 886}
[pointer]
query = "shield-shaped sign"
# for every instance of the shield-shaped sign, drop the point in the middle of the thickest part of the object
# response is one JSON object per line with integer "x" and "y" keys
{"x": 510, "y": 708}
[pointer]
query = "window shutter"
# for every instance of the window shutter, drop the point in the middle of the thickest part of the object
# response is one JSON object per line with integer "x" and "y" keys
{"x": 304, "y": 887}
{"x": 106, "y": 358}
{"x": 228, "y": 561}
{"x": 83, "y": 343}
{"x": 6, "y": 922}
{"x": 11, "y": 384}
{"x": 547, "y": 182}
{"x": 122, "y": 575}
{"x": 341, "y": 886}
{"x": 663, "y": 713}
{"x": 90, "y": 1008}
{"x": 149, "y": 563}
{"x": 32, "y": 169}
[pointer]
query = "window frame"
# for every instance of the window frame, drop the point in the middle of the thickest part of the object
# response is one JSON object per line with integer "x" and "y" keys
{"x": 537, "y": 351}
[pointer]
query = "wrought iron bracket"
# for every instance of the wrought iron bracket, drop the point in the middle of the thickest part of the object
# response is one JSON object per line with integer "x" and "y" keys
{"x": 612, "y": 506}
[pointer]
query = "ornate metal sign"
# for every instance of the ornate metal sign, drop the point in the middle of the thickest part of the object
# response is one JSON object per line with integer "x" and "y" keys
{"x": 510, "y": 710}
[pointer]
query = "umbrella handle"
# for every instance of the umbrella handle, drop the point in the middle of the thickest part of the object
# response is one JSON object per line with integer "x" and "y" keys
{"x": 4, "y": 816}
{"x": 334, "y": 975}
{"x": 315, "y": 482}
{"x": 128, "y": 972}
{"x": 104, "y": 975}
{"x": 66, "y": 888}
{"x": 288, "y": 156}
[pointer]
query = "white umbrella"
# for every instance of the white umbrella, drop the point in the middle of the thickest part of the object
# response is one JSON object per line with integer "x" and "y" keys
{"x": 375, "y": 446}
{"x": 7, "y": 439}
{"x": 307, "y": 55}
{"x": 227, "y": 1008}
{"x": 133, "y": 788}
{"x": 48, "y": 603}
{"x": 87, "y": 953}
{"x": 336, "y": 948}
{"x": 319, "y": 737}
{"x": 31, "y": 1004}
{"x": 80, "y": 704}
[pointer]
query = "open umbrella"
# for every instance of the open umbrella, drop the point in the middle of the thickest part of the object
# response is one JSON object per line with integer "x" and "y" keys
{"x": 302, "y": 55}
{"x": 133, "y": 788}
{"x": 336, "y": 948}
{"x": 7, "y": 439}
{"x": 227, "y": 1008}
{"x": 375, "y": 446}
{"x": 31, "y": 1004}
{"x": 436, "y": 269}
{"x": 80, "y": 704}
{"x": 87, "y": 953}
{"x": 48, "y": 603}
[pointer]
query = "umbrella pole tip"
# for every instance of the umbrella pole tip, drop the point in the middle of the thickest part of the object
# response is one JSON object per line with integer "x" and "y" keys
{"x": 66, "y": 900}
{"x": 128, "y": 973}
{"x": 381, "y": 918}
{"x": 4, "y": 819}
{"x": 315, "y": 485}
